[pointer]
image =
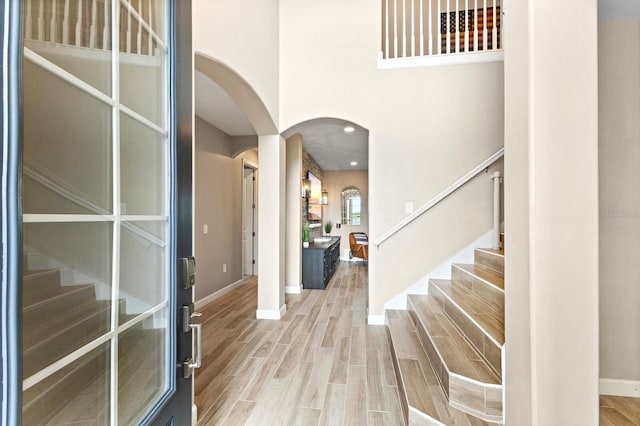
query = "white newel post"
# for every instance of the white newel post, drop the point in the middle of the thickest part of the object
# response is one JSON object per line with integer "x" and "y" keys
{"x": 497, "y": 178}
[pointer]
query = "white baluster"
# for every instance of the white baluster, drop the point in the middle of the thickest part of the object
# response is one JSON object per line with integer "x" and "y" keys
{"x": 386, "y": 30}
{"x": 139, "y": 35}
{"x": 421, "y": 29}
{"x": 92, "y": 29}
{"x": 457, "y": 27}
{"x": 128, "y": 29}
{"x": 150, "y": 29}
{"x": 496, "y": 209}
{"x": 466, "y": 25}
{"x": 413, "y": 29}
{"x": 53, "y": 22}
{"x": 404, "y": 28}
{"x": 79, "y": 25}
{"x": 395, "y": 28}
{"x": 485, "y": 32}
{"x": 430, "y": 28}
{"x": 107, "y": 26}
{"x": 41, "y": 21}
{"x": 28, "y": 30}
{"x": 494, "y": 34}
{"x": 448, "y": 24}
{"x": 440, "y": 27}
{"x": 475, "y": 26}
{"x": 65, "y": 23}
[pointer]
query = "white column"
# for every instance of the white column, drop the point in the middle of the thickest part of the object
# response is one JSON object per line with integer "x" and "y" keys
{"x": 271, "y": 225}
{"x": 551, "y": 223}
{"x": 293, "y": 263}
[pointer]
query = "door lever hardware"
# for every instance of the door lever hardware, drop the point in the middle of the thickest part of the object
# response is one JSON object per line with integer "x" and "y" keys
{"x": 189, "y": 364}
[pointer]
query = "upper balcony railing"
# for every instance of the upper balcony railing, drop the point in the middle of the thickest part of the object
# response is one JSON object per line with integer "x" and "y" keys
{"x": 440, "y": 32}
{"x": 87, "y": 24}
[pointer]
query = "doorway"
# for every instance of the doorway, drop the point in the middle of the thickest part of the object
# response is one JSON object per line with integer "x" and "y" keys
{"x": 250, "y": 221}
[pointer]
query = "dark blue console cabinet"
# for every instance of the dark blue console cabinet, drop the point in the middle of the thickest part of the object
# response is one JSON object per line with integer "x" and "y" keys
{"x": 319, "y": 263}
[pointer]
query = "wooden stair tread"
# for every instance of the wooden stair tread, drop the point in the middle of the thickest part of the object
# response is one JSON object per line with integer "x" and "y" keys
{"x": 499, "y": 252}
{"x": 455, "y": 352}
{"x": 487, "y": 317}
{"x": 483, "y": 274}
{"x": 40, "y": 334}
{"x": 418, "y": 381}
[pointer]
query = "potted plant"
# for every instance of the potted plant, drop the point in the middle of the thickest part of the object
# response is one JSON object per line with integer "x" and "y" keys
{"x": 328, "y": 226}
{"x": 306, "y": 235}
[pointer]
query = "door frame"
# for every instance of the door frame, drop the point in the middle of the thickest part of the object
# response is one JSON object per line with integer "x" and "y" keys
{"x": 11, "y": 30}
{"x": 248, "y": 165}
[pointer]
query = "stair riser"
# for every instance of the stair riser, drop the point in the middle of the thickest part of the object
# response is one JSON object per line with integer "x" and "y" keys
{"x": 493, "y": 262}
{"x": 53, "y": 308}
{"x": 485, "y": 347}
{"x": 487, "y": 292}
{"x": 42, "y": 281}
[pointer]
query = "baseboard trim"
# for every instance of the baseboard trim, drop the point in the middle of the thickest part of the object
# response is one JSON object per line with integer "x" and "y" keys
{"x": 271, "y": 314}
{"x": 292, "y": 289}
{"x": 194, "y": 415}
{"x": 375, "y": 319}
{"x": 617, "y": 387}
{"x": 210, "y": 298}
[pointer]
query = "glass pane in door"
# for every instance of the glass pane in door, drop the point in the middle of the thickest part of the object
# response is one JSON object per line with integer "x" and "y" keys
{"x": 74, "y": 35}
{"x": 143, "y": 175}
{"x": 143, "y": 85}
{"x": 142, "y": 357}
{"x": 66, "y": 289}
{"x": 67, "y": 147}
{"x": 75, "y": 395}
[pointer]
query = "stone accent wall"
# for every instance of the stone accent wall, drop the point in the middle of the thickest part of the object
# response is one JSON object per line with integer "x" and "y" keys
{"x": 309, "y": 164}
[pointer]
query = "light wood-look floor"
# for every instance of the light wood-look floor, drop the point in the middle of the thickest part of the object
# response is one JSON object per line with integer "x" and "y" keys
{"x": 619, "y": 411}
{"x": 321, "y": 364}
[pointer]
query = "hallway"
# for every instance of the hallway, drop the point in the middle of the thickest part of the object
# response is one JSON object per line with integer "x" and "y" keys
{"x": 321, "y": 364}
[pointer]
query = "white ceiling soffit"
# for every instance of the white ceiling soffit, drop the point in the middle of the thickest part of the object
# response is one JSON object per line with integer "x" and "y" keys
{"x": 331, "y": 147}
{"x": 214, "y": 105}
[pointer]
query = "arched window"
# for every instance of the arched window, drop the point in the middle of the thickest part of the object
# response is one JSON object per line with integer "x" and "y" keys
{"x": 351, "y": 206}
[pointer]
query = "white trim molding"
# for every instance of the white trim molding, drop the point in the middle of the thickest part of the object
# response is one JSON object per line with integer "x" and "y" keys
{"x": 292, "y": 289}
{"x": 271, "y": 314}
{"x": 213, "y": 296}
{"x": 441, "y": 60}
{"x": 375, "y": 319}
{"x": 617, "y": 387}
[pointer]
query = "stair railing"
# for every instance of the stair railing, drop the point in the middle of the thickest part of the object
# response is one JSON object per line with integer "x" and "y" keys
{"x": 73, "y": 196}
{"x": 444, "y": 194}
{"x": 85, "y": 23}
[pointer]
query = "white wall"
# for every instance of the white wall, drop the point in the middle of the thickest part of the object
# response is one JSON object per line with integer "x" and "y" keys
{"x": 552, "y": 151}
{"x": 427, "y": 128}
{"x": 293, "y": 275}
{"x": 244, "y": 36}
{"x": 334, "y": 182}
{"x": 619, "y": 146}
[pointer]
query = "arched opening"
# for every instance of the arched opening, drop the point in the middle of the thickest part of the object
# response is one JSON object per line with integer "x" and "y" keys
{"x": 327, "y": 155}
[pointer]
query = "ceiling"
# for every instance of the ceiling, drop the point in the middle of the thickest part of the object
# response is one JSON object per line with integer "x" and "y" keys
{"x": 323, "y": 138}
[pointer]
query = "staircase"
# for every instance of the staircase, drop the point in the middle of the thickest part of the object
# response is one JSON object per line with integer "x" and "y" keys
{"x": 447, "y": 347}
{"x": 60, "y": 319}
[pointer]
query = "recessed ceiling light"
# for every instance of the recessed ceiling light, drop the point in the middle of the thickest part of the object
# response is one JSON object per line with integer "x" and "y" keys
{"x": 349, "y": 129}
{"x": 354, "y": 163}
